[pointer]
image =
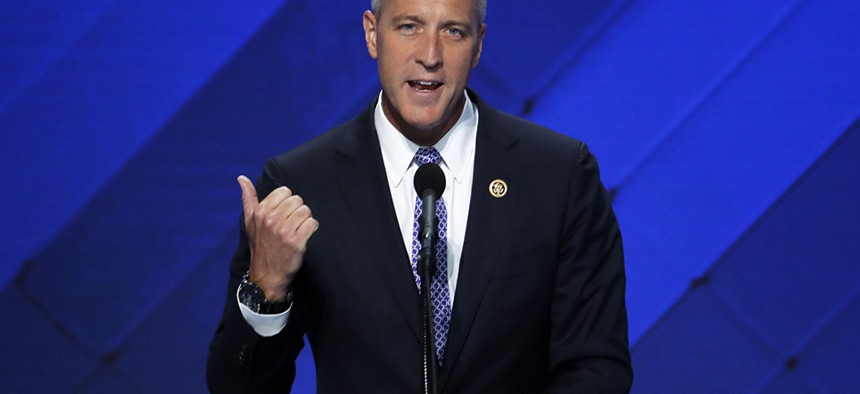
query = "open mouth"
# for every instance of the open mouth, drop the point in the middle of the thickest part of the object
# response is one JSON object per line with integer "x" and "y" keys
{"x": 425, "y": 86}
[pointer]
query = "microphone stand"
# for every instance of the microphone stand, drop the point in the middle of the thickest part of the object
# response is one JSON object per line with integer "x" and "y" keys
{"x": 426, "y": 270}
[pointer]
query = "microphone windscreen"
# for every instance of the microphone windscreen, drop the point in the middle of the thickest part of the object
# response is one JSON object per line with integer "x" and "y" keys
{"x": 429, "y": 177}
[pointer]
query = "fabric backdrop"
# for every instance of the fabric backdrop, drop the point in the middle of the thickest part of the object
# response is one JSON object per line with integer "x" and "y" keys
{"x": 727, "y": 132}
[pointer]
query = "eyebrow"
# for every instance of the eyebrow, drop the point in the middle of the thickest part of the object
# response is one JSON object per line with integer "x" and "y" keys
{"x": 418, "y": 19}
{"x": 406, "y": 17}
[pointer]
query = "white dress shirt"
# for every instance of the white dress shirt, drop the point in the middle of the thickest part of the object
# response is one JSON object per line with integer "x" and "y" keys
{"x": 457, "y": 148}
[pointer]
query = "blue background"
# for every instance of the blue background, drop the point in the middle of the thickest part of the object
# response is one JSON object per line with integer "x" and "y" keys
{"x": 728, "y": 133}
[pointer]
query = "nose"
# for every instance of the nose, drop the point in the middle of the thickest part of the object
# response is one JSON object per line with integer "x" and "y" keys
{"x": 430, "y": 52}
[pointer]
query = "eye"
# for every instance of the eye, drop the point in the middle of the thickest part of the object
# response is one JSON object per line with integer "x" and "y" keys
{"x": 454, "y": 31}
{"x": 408, "y": 27}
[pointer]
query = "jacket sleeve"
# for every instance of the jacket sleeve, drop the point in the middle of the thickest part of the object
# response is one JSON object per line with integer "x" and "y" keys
{"x": 589, "y": 349}
{"x": 240, "y": 361}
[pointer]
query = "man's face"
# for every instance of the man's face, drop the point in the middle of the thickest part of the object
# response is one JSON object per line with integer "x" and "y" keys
{"x": 425, "y": 50}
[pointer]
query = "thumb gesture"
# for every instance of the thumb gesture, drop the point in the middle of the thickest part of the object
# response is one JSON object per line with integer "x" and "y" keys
{"x": 278, "y": 230}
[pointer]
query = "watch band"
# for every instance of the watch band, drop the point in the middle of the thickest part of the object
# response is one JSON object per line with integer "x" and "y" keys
{"x": 253, "y": 297}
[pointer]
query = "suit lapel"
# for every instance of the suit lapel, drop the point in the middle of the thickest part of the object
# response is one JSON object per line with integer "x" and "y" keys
{"x": 361, "y": 176}
{"x": 487, "y": 226}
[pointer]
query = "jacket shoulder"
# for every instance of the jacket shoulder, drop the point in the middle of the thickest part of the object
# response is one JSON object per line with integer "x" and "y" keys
{"x": 531, "y": 139}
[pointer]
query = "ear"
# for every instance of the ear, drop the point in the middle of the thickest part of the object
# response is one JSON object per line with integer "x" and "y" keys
{"x": 480, "y": 46}
{"x": 369, "y": 22}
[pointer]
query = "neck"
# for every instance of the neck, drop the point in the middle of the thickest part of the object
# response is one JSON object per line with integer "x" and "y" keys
{"x": 424, "y": 136}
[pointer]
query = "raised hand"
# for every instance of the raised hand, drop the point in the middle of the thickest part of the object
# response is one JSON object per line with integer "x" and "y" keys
{"x": 278, "y": 230}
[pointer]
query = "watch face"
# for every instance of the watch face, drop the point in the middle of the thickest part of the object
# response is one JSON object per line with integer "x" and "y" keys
{"x": 253, "y": 297}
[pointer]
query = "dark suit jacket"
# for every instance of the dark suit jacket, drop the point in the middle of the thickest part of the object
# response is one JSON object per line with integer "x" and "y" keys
{"x": 540, "y": 297}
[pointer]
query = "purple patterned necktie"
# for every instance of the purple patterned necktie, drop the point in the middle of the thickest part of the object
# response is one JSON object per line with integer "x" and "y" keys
{"x": 439, "y": 295}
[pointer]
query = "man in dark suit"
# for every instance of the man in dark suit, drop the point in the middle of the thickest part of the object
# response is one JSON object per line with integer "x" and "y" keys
{"x": 530, "y": 288}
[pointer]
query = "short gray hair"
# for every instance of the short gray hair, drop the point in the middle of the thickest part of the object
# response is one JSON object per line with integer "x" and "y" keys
{"x": 375, "y": 6}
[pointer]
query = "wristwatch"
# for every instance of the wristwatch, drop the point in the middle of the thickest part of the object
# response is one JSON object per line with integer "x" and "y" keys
{"x": 253, "y": 297}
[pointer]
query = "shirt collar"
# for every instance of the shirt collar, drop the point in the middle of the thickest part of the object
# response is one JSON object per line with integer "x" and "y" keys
{"x": 456, "y": 147}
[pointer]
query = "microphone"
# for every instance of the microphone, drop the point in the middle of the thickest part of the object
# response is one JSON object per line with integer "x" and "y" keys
{"x": 429, "y": 178}
{"x": 429, "y": 184}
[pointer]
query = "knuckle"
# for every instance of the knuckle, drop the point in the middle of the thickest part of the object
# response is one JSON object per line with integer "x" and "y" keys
{"x": 270, "y": 221}
{"x": 296, "y": 240}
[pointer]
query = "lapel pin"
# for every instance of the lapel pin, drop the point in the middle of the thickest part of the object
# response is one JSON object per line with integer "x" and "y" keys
{"x": 498, "y": 188}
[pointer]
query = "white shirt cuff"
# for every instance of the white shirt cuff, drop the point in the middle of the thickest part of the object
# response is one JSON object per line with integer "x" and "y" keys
{"x": 264, "y": 325}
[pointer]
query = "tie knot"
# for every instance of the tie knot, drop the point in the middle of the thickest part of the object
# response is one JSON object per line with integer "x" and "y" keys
{"x": 427, "y": 155}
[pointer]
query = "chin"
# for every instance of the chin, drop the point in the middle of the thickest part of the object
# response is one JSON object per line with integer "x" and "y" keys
{"x": 425, "y": 123}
